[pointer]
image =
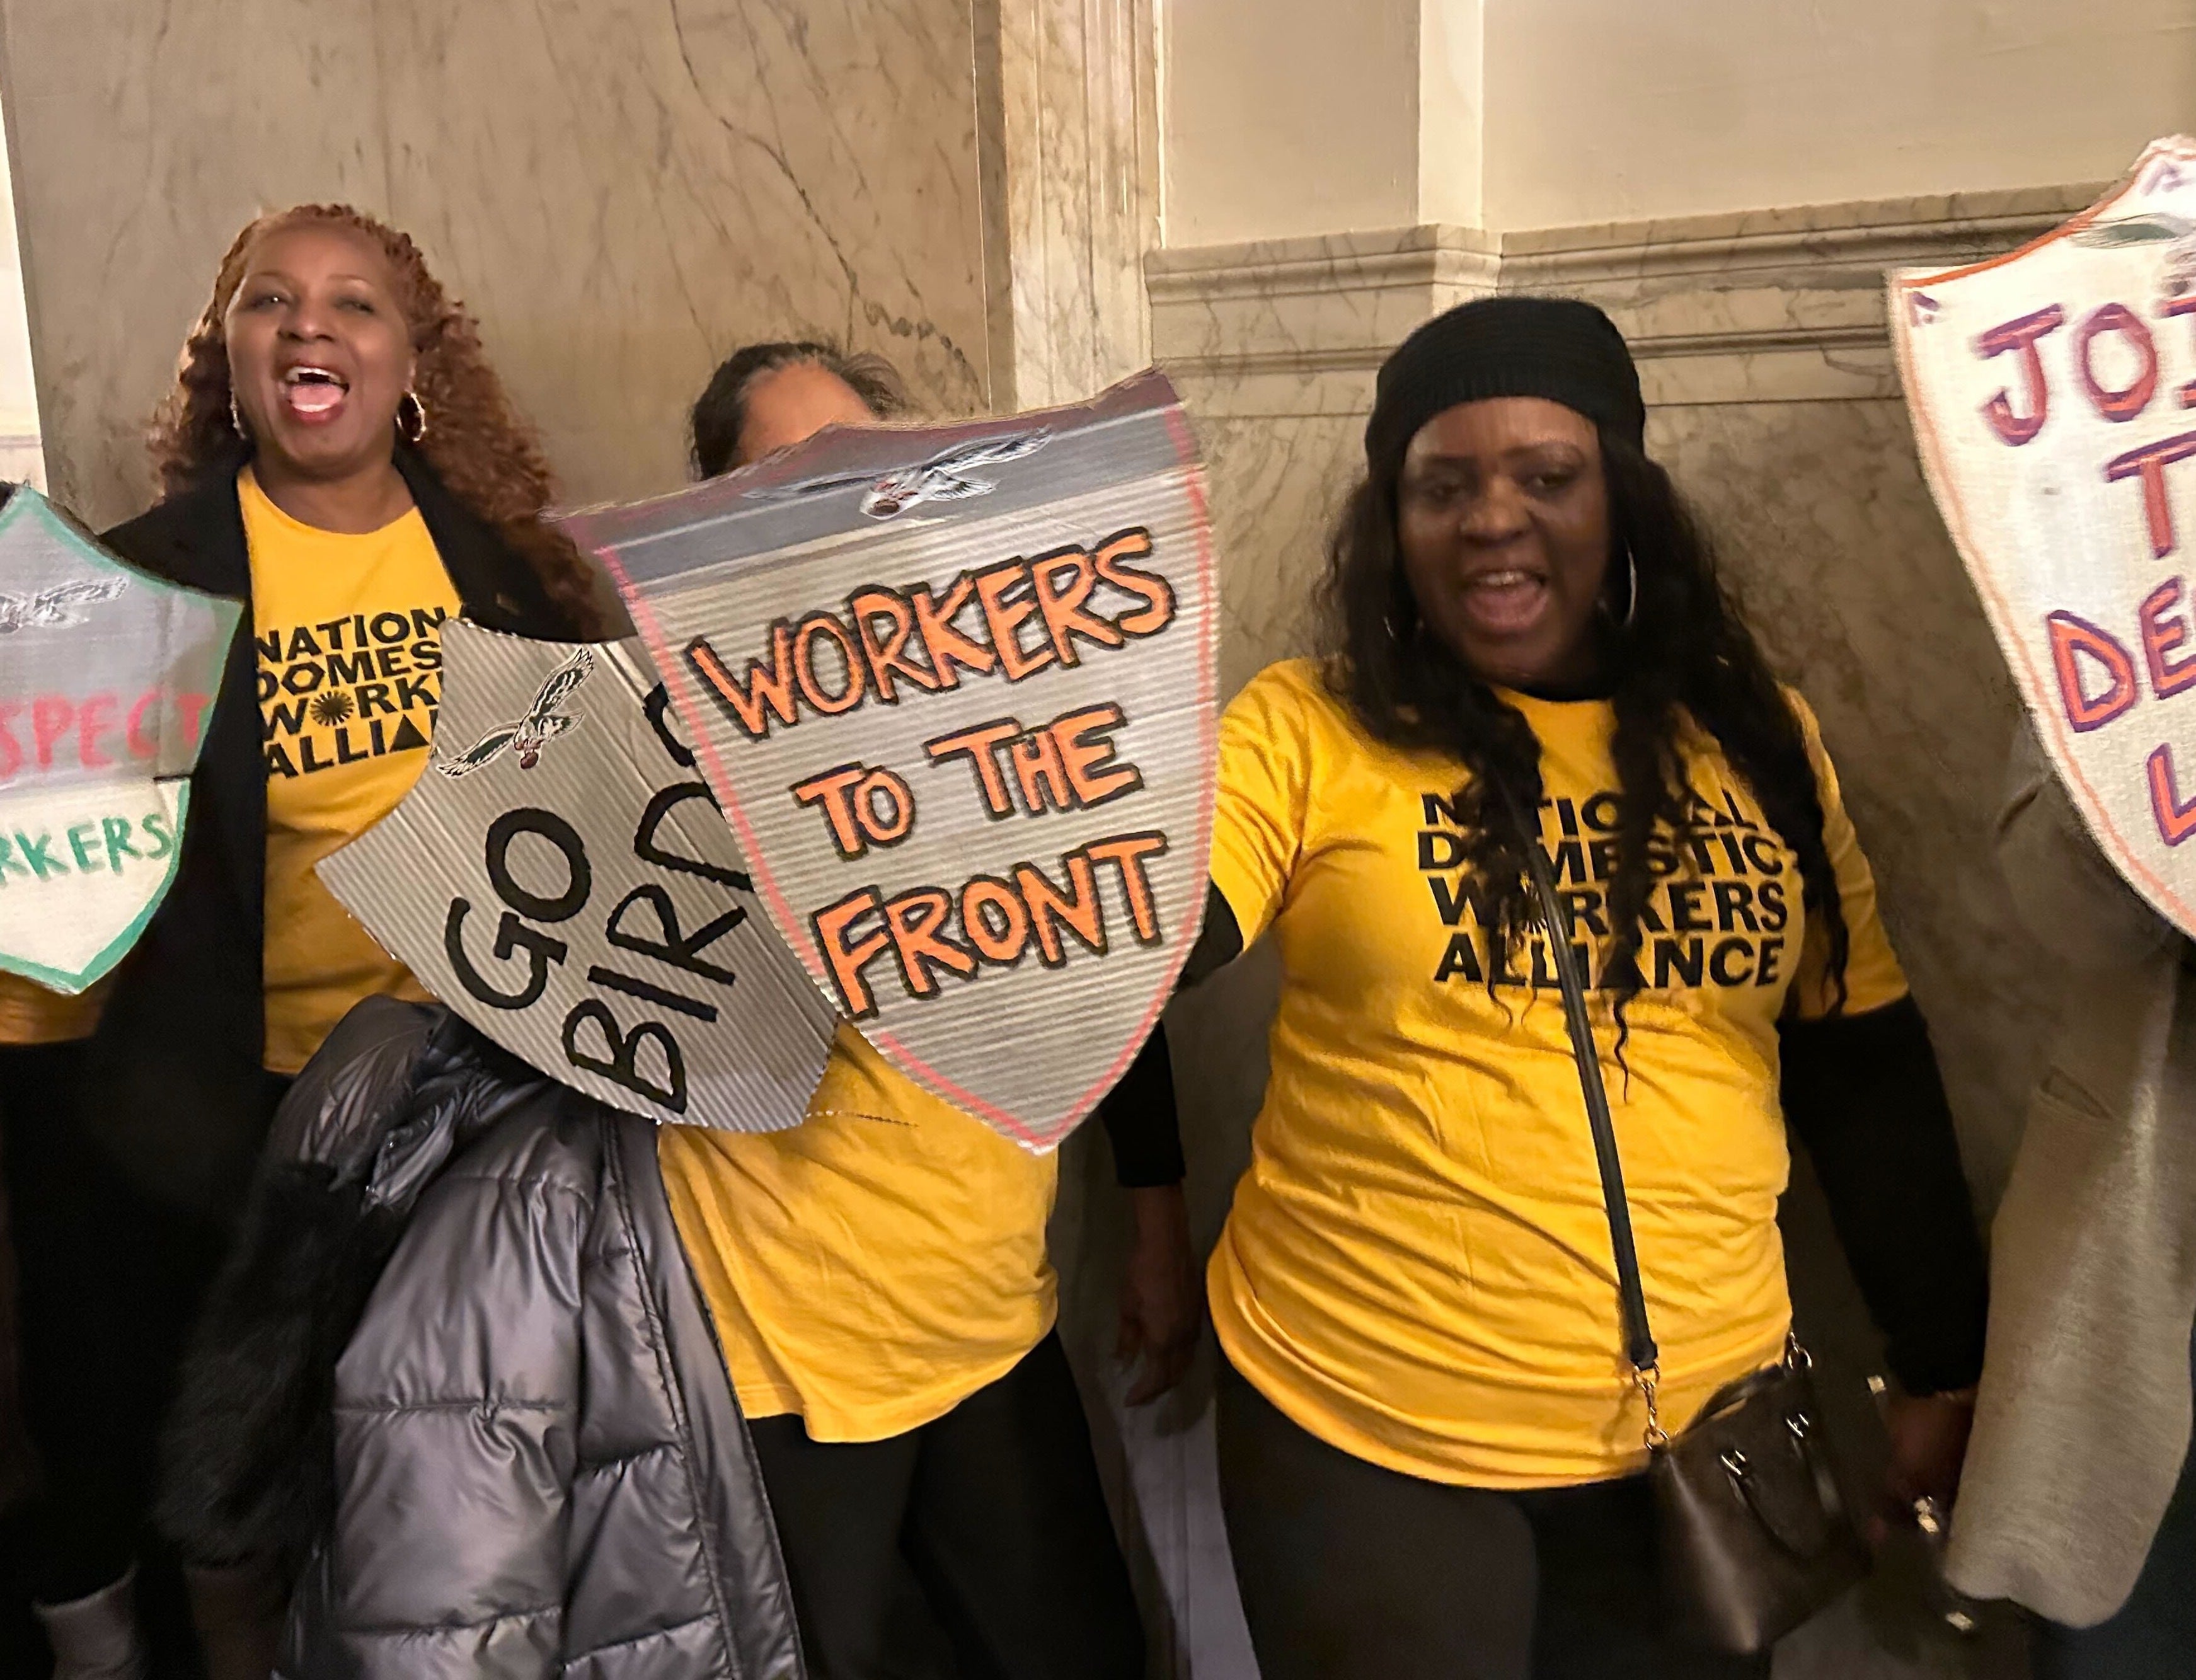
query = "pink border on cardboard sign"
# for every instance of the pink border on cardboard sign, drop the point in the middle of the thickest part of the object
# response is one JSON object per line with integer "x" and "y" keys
{"x": 674, "y": 679}
{"x": 2003, "y": 621}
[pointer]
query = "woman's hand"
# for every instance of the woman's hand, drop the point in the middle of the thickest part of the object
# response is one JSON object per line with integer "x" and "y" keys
{"x": 1162, "y": 1301}
{"x": 1928, "y": 1445}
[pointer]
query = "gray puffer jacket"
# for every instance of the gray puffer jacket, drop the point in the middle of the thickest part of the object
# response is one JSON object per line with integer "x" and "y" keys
{"x": 457, "y": 1382}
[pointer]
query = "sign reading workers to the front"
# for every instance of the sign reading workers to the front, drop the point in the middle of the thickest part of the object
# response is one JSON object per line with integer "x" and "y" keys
{"x": 2054, "y": 397}
{"x": 559, "y": 876}
{"x": 954, "y": 689}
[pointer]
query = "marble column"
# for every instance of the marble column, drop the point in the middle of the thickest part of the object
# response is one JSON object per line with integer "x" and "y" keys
{"x": 1068, "y": 122}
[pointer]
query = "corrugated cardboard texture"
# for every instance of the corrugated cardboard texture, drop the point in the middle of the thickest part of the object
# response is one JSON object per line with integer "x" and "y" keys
{"x": 106, "y": 676}
{"x": 996, "y": 872}
{"x": 562, "y": 880}
{"x": 2052, "y": 393}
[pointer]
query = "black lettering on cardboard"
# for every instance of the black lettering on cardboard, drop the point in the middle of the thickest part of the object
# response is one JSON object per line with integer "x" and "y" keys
{"x": 611, "y": 980}
{"x": 510, "y": 933}
{"x": 679, "y": 950}
{"x": 579, "y": 873}
{"x": 667, "y": 800}
{"x": 621, "y": 1065}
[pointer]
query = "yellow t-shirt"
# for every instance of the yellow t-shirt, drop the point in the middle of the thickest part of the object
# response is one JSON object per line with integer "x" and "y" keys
{"x": 348, "y": 679}
{"x": 32, "y": 1014}
{"x": 1416, "y": 1268}
{"x": 873, "y": 1266}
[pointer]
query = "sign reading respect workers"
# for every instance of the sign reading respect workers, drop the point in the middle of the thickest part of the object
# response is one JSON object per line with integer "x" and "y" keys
{"x": 107, "y": 676}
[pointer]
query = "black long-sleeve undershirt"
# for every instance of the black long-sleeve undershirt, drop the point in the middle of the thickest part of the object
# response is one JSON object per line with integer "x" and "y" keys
{"x": 1861, "y": 1092}
{"x": 1141, "y": 1120}
{"x": 1139, "y": 1113}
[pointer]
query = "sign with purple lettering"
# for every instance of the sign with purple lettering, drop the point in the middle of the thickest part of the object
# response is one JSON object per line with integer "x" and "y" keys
{"x": 106, "y": 676}
{"x": 2054, "y": 398}
{"x": 559, "y": 876}
{"x": 953, "y": 687}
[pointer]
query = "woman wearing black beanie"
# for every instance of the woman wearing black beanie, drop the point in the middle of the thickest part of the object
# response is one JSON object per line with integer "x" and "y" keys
{"x": 1431, "y": 1446}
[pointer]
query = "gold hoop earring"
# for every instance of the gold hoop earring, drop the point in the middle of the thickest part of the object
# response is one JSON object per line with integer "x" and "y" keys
{"x": 417, "y": 431}
{"x": 236, "y": 418}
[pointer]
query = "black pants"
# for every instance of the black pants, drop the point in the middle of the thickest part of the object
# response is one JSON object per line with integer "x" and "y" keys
{"x": 978, "y": 1545}
{"x": 111, "y": 1280}
{"x": 1352, "y": 1572}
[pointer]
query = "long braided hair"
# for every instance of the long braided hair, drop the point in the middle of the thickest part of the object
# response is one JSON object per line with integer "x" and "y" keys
{"x": 1686, "y": 660}
{"x": 483, "y": 453}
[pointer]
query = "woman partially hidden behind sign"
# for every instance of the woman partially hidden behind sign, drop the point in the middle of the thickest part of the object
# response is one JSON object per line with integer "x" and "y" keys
{"x": 878, "y": 1279}
{"x": 337, "y": 453}
{"x": 1430, "y": 1450}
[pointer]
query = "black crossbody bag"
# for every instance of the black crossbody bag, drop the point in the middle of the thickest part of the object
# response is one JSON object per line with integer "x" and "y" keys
{"x": 1752, "y": 1530}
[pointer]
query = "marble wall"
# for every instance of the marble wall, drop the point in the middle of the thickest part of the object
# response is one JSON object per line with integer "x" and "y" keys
{"x": 623, "y": 190}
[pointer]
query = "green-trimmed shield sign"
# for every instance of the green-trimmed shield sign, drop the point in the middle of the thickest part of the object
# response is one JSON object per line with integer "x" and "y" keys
{"x": 107, "y": 678}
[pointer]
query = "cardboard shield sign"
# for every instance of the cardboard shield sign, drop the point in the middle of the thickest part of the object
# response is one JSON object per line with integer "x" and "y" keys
{"x": 560, "y": 878}
{"x": 954, "y": 689}
{"x": 107, "y": 678}
{"x": 2054, "y": 398}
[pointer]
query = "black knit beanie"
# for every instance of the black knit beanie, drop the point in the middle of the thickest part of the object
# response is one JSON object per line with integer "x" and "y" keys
{"x": 1558, "y": 348}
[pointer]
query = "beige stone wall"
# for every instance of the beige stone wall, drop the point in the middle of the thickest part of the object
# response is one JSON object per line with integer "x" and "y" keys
{"x": 1604, "y": 109}
{"x": 1287, "y": 118}
{"x": 1255, "y": 141}
{"x": 623, "y": 190}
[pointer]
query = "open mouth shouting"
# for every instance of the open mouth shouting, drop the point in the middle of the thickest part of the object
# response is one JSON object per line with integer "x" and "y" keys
{"x": 1504, "y": 601}
{"x": 313, "y": 394}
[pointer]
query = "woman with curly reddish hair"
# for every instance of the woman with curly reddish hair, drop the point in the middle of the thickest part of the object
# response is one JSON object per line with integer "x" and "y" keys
{"x": 338, "y": 455}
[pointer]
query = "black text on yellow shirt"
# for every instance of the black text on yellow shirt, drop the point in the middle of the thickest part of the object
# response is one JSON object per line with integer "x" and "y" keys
{"x": 344, "y": 691}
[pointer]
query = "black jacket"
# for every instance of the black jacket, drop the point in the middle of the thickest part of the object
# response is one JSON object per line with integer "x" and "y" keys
{"x": 457, "y": 1378}
{"x": 175, "y": 1091}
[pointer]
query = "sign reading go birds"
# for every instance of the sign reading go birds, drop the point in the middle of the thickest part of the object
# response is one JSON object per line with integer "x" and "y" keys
{"x": 559, "y": 876}
{"x": 954, "y": 689}
{"x": 2054, "y": 397}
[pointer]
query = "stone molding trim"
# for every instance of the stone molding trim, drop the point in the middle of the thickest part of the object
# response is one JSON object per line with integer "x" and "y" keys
{"x": 1782, "y": 305}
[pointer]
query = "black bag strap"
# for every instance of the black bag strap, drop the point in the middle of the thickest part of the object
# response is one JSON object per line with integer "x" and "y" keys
{"x": 1639, "y": 1338}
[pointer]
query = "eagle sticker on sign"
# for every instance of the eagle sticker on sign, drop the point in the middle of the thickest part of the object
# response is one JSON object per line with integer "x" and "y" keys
{"x": 107, "y": 678}
{"x": 2054, "y": 398}
{"x": 954, "y": 689}
{"x": 560, "y": 877}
